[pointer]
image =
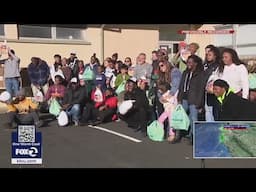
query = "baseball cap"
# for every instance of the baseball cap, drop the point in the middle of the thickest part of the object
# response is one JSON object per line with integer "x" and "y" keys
{"x": 133, "y": 79}
{"x": 73, "y": 53}
{"x": 73, "y": 80}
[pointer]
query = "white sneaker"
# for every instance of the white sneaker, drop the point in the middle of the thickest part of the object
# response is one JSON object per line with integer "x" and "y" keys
{"x": 76, "y": 122}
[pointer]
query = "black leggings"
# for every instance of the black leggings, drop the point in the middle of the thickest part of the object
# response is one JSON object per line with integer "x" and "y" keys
{"x": 23, "y": 118}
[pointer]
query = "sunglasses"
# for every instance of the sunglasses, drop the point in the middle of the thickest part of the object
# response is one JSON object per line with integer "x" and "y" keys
{"x": 161, "y": 65}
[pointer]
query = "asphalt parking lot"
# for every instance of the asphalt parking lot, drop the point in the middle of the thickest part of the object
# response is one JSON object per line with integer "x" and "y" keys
{"x": 111, "y": 145}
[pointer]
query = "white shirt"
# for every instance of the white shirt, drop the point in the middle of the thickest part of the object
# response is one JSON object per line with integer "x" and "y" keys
{"x": 237, "y": 78}
{"x": 54, "y": 73}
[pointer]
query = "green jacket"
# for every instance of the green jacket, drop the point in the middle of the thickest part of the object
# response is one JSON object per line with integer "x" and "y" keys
{"x": 119, "y": 79}
{"x": 178, "y": 62}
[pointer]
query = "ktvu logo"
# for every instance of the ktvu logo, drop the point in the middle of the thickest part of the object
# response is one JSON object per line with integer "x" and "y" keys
{"x": 32, "y": 151}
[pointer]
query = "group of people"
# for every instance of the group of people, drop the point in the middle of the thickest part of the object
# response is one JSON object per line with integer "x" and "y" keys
{"x": 220, "y": 87}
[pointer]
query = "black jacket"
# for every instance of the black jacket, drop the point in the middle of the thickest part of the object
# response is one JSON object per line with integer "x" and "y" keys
{"x": 77, "y": 96}
{"x": 196, "y": 88}
{"x": 155, "y": 66}
{"x": 236, "y": 108}
{"x": 140, "y": 98}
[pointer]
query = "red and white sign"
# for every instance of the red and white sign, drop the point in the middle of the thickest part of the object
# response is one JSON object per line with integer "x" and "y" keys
{"x": 210, "y": 32}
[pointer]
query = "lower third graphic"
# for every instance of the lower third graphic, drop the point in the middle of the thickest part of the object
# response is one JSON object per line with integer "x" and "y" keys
{"x": 26, "y": 145}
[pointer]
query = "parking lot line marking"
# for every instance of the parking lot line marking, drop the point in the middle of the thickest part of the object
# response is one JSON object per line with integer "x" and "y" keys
{"x": 115, "y": 133}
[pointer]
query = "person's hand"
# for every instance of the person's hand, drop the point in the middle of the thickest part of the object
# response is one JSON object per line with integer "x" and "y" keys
{"x": 101, "y": 108}
{"x": 54, "y": 95}
{"x": 209, "y": 88}
{"x": 64, "y": 107}
{"x": 200, "y": 109}
{"x": 15, "y": 101}
{"x": 163, "y": 100}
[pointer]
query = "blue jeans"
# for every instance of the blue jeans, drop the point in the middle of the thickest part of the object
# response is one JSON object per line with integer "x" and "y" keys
{"x": 209, "y": 113}
{"x": 74, "y": 112}
{"x": 193, "y": 115}
{"x": 209, "y": 116}
{"x": 12, "y": 85}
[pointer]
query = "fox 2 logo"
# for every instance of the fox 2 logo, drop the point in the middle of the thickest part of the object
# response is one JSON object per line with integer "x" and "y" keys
{"x": 26, "y": 146}
{"x": 32, "y": 151}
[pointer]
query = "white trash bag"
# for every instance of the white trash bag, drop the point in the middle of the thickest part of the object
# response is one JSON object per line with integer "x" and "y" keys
{"x": 62, "y": 119}
{"x": 125, "y": 106}
{"x": 39, "y": 96}
{"x": 5, "y": 96}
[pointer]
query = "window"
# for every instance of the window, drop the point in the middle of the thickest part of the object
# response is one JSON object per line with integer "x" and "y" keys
{"x": 69, "y": 33}
{"x": 35, "y": 31}
{"x": 1, "y": 29}
{"x": 72, "y": 32}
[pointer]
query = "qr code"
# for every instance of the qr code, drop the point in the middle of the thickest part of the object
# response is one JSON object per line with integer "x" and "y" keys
{"x": 26, "y": 133}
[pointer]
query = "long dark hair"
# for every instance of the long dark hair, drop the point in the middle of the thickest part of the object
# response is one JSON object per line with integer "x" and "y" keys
{"x": 234, "y": 56}
{"x": 165, "y": 76}
{"x": 216, "y": 52}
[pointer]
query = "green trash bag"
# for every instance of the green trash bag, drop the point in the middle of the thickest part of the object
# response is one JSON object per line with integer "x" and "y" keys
{"x": 156, "y": 131}
{"x": 120, "y": 88}
{"x": 179, "y": 119}
{"x": 55, "y": 107}
{"x": 88, "y": 74}
{"x": 252, "y": 80}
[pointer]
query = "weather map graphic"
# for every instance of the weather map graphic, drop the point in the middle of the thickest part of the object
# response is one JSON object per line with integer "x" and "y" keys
{"x": 224, "y": 140}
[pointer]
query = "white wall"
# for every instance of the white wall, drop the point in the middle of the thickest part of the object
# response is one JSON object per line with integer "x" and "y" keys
{"x": 245, "y": 37}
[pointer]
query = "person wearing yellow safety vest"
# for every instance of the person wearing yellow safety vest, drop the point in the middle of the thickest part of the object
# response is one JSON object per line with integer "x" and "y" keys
{"x": 231, "y": 106}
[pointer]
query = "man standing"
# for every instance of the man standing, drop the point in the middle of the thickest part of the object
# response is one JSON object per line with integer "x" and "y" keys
{"x": 38, "y": 72}
{"x": 73, "y": 63}
{"x": 142, "y": 69}
{"x": 11, "y": 72}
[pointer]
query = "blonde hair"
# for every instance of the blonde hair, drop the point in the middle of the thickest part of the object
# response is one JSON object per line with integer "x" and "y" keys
{"x": 251, "y": 66}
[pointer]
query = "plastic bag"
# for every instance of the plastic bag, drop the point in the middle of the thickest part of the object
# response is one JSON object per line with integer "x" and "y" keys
{"x": 5, "y": 96}
{"x": 252, "y": 80}
{"x": 62, "y": 118}
{"x": 155, "y": 131}
{"x": 88, "y": 74}
{"x": 55, "y": 107}
{"x": 125, "y": 106}
{"x": 120, "y": 88}
{"x": 98, "y": 96}
{"x": 179, "y": 119}
{"x": 39, "y": 96}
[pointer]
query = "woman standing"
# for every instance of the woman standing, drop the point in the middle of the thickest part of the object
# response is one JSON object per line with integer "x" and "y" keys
{"x": 191, "y": 92}
{"x": 212, "y": 62}
{"x": 233, "y": 71}
{"x": 171, "y": 75}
